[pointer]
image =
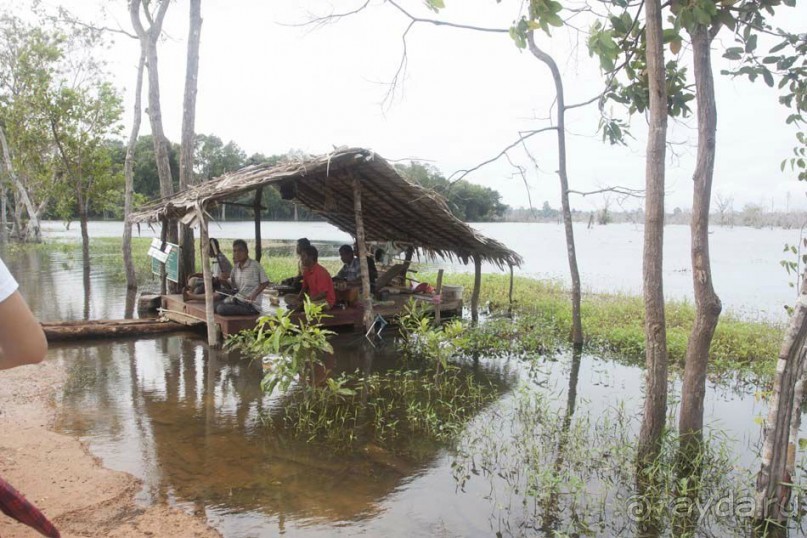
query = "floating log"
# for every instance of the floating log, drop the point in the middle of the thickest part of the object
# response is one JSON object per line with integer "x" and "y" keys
{"x": 61, "y": 331}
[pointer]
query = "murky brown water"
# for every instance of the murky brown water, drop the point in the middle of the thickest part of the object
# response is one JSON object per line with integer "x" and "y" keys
{"x": 188, "y": 422}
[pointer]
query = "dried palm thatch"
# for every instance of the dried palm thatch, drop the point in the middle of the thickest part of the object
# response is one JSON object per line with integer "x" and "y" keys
{"x": 393, "y": 208}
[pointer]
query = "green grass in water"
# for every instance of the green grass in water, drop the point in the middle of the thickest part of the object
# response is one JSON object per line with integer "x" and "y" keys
{"x": 612, "y": 323}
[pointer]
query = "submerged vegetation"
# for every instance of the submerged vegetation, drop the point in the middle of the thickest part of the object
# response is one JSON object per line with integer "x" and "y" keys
{"x": 567, "y": 473}
{"x": 430, "y": 400}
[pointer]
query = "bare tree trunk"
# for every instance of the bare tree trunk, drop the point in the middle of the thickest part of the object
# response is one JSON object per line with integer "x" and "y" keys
{"x": 707, "y": 303}
{"x": 655, "y": 406}
{"x": 3, "y": 212}
{"x": 85, "y": 236}
{"x": 33, "y": 230}
{"x": 148, "y": 40}
{"x": 18, "y": 230}
{"x": 795, "y": 421}
{"x": 188, "y": 130}
{"x": 772, "y": 479}
{"x": 128, "y": 172}
{"x": 577, "y": 324}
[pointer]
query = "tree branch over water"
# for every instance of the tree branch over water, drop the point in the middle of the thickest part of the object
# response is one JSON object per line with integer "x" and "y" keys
{"x": 524, "y": 135}
{"x": 624, "y": 191}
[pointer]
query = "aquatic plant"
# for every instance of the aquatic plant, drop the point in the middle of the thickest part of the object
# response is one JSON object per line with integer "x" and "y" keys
{"x": 400, "y": 411}
{"x": 575, "y": 474}
{"x": 421, "y": 339}
{"x": 292, "y": 349}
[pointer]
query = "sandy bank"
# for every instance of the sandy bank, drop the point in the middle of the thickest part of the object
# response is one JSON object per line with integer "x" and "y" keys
{"x": 58, "y": 474}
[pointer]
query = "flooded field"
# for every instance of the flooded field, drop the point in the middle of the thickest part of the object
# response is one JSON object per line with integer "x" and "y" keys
{"x": 194, "y": 425}
{"x": 746, "y": 266}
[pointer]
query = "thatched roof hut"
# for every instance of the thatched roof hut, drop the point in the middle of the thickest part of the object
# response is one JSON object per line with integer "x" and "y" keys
{"x": 393, "y": 209}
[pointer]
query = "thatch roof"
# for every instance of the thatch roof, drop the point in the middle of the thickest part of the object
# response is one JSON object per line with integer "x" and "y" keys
{"x": 393, "y": 209}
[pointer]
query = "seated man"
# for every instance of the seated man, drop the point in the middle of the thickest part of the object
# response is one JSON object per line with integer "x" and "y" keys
{"x": 317, "y": 283}
{"x": 249, "y": 280}
{"x": 351, "y": 270}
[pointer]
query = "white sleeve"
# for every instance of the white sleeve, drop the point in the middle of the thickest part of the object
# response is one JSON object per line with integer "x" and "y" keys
{"x": 7, "y": 283}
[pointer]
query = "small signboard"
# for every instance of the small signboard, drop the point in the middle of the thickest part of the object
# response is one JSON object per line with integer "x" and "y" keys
{"x": 169, "y": 256}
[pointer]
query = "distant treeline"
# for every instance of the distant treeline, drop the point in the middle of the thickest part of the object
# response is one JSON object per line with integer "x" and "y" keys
{"x": 753, "y": 215}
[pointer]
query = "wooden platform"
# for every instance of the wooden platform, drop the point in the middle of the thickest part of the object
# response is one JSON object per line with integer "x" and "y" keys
{"x": 193, "y": 313}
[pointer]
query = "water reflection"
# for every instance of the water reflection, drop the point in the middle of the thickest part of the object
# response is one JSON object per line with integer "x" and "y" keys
{"x": 188, "y": 421}
{"x": 58, "y": 288}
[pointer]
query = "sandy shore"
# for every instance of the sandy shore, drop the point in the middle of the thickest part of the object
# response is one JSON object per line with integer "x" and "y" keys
{"x": 58, "y": 474}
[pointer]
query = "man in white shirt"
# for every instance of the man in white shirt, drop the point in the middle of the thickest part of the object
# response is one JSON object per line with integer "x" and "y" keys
{"x": 249, "y": 279}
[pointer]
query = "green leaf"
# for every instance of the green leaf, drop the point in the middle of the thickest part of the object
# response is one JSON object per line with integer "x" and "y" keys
{"x": 766, "y": 75}
{"x": 670, "y": 34}
{"x": 555, "y": 20}
{"x": 751, "y": 43}
{"x": 733, "y": 53}
{"x": 701, "y": 16}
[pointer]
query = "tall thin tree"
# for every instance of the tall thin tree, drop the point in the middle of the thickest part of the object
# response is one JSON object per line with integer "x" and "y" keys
{"x": 188, "y": 127}
{"x": 655, "y": 405}
{"x": 707, "y": 303}
{"x": 128, "y": 172}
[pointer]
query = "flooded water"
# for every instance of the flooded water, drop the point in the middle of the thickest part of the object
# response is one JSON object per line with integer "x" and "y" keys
{"x": 746, "y": 267}
{"x": 187, "y": 421}
{"x": 190, "y": 422}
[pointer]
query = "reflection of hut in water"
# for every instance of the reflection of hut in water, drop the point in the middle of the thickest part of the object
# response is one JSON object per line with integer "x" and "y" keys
{"x": 188, "y": 419}
{"x": 217, "y": 450}
{"x": 355, "y": 190}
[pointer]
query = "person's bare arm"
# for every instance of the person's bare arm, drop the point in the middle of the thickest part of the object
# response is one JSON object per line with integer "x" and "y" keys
{"x": 320, "y": 296}
{"x": 22, "y": 340}
{"x": 259, "y": 290}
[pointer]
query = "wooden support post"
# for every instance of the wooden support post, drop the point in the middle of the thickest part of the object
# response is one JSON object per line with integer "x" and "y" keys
{"x": 212, "y": 330}
{"x": 510, "y": 308}
{"x": 163, "y": 239}
{"x": 438, "y": 289}
{"x": 477, "y": 286}
{"x": 366, "y": 298}
{"x": 256, "y": 209}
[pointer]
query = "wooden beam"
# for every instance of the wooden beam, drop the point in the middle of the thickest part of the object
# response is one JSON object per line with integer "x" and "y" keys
{"x": 365, "y": 272}
{"x": 204, "y": 240}
{"x": 241, "y": 204}
{"x": 256, "y": 210}
{"x": 477, "y": 286}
